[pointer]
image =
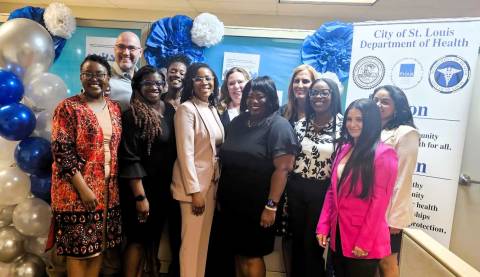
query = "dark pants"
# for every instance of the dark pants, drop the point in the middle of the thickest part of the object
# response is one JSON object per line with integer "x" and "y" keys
{"x": 305, "y": 202}
{"x": 220, "y": 259}
{"x": 350, "y": 267}
{"x": 174, "y": 220}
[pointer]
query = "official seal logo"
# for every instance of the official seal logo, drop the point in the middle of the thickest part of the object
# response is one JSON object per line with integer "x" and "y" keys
{"x": 368, "y": 72}
{"x": 449, "y": 74}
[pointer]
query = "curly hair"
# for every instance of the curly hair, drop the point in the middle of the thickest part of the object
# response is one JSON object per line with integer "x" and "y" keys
{"x": 179, "y": 58}
{"x": 98, "y": 59}
{"x": 144, "y": 116}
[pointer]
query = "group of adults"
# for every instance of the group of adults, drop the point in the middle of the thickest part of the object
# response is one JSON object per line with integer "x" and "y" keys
{"x": 139, "y": 147}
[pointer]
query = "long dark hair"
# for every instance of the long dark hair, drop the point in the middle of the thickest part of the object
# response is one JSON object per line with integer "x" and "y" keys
{"x": 144, "y": 116}
{"x": 335, "y": 100}
{"x": 192, "y": 71}
{"x": 402, "y": 114}
{"x": 266, "y": 85}
{"x": 360, "y": 164}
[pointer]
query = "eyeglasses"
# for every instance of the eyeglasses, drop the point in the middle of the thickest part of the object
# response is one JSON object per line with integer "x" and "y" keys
{"x": 202, "y": 79}
{"x": 90, "y": 75}
{"x": 130, "y": 48}
{"x": 153, "y": 83}
{"x": 322, "y": 93}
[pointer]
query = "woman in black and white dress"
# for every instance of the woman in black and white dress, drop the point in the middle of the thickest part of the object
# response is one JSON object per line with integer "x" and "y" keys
{"x": 307, "y": 186}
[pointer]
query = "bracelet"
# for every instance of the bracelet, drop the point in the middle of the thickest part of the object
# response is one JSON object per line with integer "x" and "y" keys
{"x": 270, "y": 208}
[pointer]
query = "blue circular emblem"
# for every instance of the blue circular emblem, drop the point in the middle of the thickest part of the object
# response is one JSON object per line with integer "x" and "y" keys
{"x": 449, "y": 74}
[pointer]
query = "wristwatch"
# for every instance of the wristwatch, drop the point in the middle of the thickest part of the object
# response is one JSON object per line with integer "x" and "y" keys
{"x": 271, "y": 204}
{"x": 140, "y": 197}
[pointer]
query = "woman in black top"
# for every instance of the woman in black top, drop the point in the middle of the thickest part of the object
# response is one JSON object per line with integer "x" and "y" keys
{"x": 231, "y": 94}
{"x": 147, "y": 154}
{"x": 257, "y": 155}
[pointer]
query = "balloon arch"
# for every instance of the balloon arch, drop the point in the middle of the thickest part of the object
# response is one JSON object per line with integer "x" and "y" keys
{"x": 28, "y": 97}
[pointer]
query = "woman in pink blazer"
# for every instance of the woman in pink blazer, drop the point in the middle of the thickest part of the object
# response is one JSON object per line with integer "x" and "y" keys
{"x": 363, "y": 177}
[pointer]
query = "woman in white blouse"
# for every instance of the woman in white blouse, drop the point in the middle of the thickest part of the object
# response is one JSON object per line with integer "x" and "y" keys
{"x": 398, "y": 131}
{"x": 317, "y": 133}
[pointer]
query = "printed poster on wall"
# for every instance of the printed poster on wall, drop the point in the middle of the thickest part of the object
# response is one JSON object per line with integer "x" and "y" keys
{"x": 249, "y": 62}
{"x": 433, "y": 61}
{"x": 102, "y": 46}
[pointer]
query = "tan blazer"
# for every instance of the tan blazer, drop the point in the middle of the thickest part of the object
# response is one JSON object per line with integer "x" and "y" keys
{"x": 405, "y": 140}
{"x": 196, "y": 165}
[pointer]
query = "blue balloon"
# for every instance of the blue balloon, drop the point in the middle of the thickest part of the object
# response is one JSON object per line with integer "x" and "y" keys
{"x": 41, "y": 187}
{"x": 11, "y": 88}
{"x": 17, "y": 121}
{"x": 33, "y": 155}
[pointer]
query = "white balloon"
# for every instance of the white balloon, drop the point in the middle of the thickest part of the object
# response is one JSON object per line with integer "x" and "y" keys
{"x": 6, "y": 215}
{"x": 11, "y": 244}
{"x": 14, "y": 185}
{"x": 26, "y": 46}
{"x": 7, "y": 148}
{"x": 46, "y": 90}
{"x": 43, "y": 128}
{"x": 32, "y": 217}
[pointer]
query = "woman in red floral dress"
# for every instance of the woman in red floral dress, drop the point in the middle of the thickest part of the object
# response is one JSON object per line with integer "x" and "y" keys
{"x": 86, "y": 133}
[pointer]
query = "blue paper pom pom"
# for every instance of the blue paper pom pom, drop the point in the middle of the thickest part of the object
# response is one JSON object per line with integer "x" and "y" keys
{"x": 36, "y": 14}
{"x": 330, "y": 48}
{"x": 171, "y": 36}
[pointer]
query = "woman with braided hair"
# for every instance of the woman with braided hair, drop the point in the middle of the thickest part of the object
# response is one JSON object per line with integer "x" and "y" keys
{"x": 147, "y": 154}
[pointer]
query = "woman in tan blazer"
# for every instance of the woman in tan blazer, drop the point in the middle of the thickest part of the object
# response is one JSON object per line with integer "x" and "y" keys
{"x": 398, "y": 131}
{"x": 199, "y": 133}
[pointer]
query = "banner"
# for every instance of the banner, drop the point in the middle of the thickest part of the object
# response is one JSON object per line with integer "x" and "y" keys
{"x": 102, "y": 46}
{"x": 433, "y": 61}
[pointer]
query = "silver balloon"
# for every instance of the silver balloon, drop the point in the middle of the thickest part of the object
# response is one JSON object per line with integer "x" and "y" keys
{"x": 29, "y": 266}
{"x": 35, "y": 245}
{"x": 6, "y": 215}
{"x": 43, "y": 128}
{"x": 14, "y": 185}
{"x": 46, "y": 90}
{"x": 25, "y": 44}
{"x": 32, "y": 217}
{"x": 6, "y": 153}
{"x": 11, "y": 244}
{"x": 6, "y": 269}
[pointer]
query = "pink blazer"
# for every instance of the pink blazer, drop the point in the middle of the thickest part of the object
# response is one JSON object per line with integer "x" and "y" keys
{"x": 362, "y": 221}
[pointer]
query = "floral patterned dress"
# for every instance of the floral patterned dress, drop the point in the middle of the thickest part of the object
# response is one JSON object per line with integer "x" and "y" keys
{"x": 77, "y": 146}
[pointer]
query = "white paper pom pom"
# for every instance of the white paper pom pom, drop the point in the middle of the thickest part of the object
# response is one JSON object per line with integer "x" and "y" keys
{"x": 207, "y": 30}
{"x": 59, "y": 20}
{"x": 332, "y": 76}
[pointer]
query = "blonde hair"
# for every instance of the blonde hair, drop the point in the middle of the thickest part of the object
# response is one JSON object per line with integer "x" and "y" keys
{"x": 225, "y": 98}
{"x": 291, "y": 110}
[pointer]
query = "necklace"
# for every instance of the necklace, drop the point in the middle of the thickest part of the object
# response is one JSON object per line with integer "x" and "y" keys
{"x": 251, "y": 123}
